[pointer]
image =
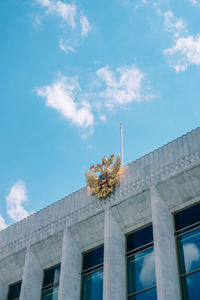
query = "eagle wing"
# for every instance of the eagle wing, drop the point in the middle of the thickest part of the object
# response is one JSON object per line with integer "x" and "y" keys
{"x": 116, "y": 167}
{"x": 91, "y": 180}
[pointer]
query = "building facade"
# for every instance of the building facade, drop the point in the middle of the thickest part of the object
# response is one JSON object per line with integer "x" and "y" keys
{"x": 140, "y": 242}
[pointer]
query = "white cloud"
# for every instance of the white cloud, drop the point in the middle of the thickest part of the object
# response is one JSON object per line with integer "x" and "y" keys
{"x": 185, "y": 52}
{"x": 45, "y": 3}
{"x": 107, "y": 90}
{"x": 102, "y": 117}
{"x": 36, "y": 20}
{"x": 64, "y": 46}
{"x": 2, "y": 223}
{"x": 194, "y": 2}
{"x": 85, "y": 25}
{"x": 66, "y": 11}
{"x": 124, "y": 90}
{"x": 15, "y": 199}
{"x": 173, "y": 24}
{"x": 61, "y": 96}
{"x": 69, "y": 13}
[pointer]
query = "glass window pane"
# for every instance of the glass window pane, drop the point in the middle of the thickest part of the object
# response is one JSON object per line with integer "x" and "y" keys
{"x": 51, "y": 294}
{"x": 189, "y": 251}
{"x": 191, "y": 286}
{"x": 141, "y": 271}
{"x": 93, "y": 258}
{"x": 187, "y": 217}
{"x": 51, "y": 276}
{"x": 92, "y": 286}
{"x": 14, "y": 291}
{"x": 148, "y": 295}
{"x": 139, "y": 238}
{"x": 57, "y": 274}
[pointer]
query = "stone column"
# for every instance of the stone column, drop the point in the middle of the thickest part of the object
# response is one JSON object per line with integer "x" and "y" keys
{"x": 70, "y": 276}
{"x": 32, "y": 278}
{"x": 3, "y": 289}
{"x": 114, "y": 279}
{"x": 167, "y": 277}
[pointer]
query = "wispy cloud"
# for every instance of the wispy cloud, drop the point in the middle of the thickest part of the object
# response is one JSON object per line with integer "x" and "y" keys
{"x": 2, "y": 223}
{"x": 45, "y": 3}
{"x": 195, "y": 2}
{"x": 172, "y": 23}
{"x": 122, "y": 85}
{"x": 15, "y": 199}
{"x": 37, "y": 20}
{"x": 186, "y": 49}
{"x": 110, "y": 89}
{"x": 64, "y": 46}
{"x": 61, "y": 95}
{"x": 102, "y": 117}
{"x": 86, "y": 27}
{"x": 185, "y": 52}
{"x": 65, "y": 11}
{"x": 71, "y": 15}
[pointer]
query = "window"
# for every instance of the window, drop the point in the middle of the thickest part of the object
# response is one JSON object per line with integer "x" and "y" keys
{"x": 51, "y": 283}
{"x": 187, "y": 225}
{"x": 140, "y": 265}
{"x": 14, "y": 291}
{"x": 92, "y": 275}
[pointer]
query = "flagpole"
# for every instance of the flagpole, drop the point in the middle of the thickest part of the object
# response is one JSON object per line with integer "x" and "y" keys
{"x": 121, "y": 142}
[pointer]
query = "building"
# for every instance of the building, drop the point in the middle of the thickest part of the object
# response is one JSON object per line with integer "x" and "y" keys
{"x": 140, "y": 242}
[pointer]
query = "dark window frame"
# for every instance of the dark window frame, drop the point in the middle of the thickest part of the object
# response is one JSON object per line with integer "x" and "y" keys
{"x": 95, "y": 267}
{"x": 135, "y": 231}
{"x": 50, "y": 286}
{"x": 12, "y": 284}
{"x": 182, "y": 230}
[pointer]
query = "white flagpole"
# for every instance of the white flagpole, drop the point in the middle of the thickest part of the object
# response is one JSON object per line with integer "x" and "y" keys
{"x": 121, "y": 140}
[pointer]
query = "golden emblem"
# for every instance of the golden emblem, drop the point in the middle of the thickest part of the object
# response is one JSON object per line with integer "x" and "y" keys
{"x": 104, "y": 184}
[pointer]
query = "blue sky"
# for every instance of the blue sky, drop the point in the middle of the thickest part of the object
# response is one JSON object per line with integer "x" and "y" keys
{"x": 71, "y": 72}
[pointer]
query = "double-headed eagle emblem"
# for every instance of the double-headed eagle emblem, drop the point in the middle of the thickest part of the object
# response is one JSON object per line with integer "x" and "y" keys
{"x": 104, "y": 184}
